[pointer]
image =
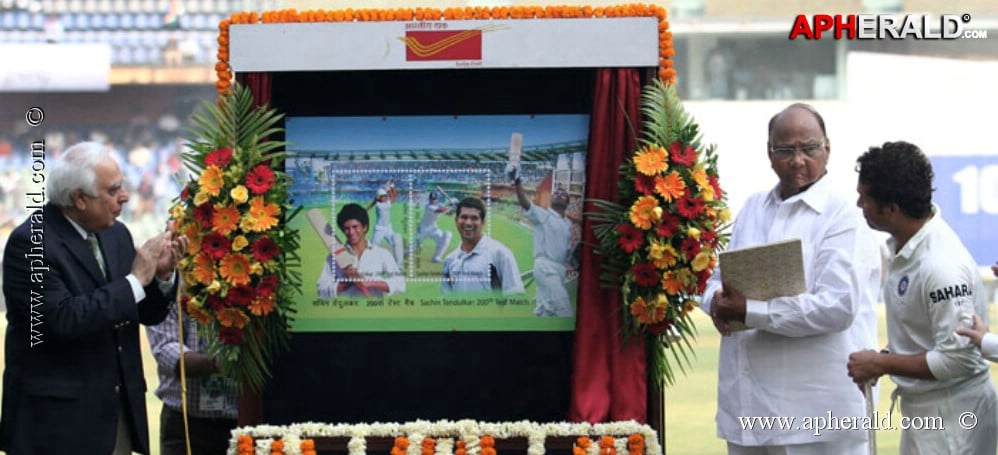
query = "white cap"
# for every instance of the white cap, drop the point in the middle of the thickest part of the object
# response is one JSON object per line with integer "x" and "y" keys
{"x": 382, "y": 192}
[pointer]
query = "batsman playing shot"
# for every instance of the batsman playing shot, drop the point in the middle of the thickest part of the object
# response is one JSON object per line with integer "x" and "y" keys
{"x": 552, "y": 240}
{"x": 428, "y": 228}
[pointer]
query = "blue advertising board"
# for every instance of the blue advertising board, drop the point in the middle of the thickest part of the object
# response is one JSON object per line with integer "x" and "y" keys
{"x": 967, "y": 192}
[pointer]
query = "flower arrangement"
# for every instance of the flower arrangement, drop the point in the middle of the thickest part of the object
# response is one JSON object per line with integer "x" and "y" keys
{"x": 660, "y": 241}
{"x": 237, "y": 274}
{"x": 461, "y": 437}
{"x": 666, "y": 72}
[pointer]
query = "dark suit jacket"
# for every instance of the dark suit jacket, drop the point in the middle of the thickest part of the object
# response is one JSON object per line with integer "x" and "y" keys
{"x": 72, "y": 341}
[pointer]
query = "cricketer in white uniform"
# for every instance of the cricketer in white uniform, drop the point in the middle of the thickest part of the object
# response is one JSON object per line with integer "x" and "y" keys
{"x": 552, "y": 237}
{"x": 932, "y": 288}
{"x": 480, "y": 263}
{"x": 428, "y": 228}
{"x": 383, "y": 230}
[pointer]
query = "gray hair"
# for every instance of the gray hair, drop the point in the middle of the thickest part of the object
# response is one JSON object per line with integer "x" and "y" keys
{"x": 74, "y": 171}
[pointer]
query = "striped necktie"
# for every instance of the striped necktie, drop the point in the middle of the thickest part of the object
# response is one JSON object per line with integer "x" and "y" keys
{"x": 92, "y": 240}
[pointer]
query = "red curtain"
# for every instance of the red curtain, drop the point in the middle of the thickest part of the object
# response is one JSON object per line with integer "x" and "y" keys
{"x": 251, "y": 401}
{"x": 608, "y": 375}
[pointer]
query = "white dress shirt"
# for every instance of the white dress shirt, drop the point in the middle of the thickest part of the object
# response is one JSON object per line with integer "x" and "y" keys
{"x": 791, "y": 362}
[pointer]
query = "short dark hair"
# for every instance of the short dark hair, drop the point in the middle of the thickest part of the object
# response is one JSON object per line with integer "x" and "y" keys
{"x": 471, "y": 203}
{"x": 898, "y": 173}
{"x": 803, "y": 106}
{"x": 352, "y": 211}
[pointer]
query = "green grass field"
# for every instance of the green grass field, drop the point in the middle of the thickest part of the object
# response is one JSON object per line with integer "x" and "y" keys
{"x": 689, "y": 406}
{"x": 405, "y": 311}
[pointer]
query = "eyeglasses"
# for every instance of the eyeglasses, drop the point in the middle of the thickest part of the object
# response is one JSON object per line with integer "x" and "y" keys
{"x": 787, "y": 153}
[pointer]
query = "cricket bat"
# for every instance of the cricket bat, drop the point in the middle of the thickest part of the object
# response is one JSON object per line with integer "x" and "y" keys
{"x": 341, "y": 255}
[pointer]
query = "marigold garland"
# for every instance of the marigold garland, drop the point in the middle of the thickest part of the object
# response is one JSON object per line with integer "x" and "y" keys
{"x": 401, "y": 445}
{"x": 665, "y": 48}
{"x": 607, "y": 446}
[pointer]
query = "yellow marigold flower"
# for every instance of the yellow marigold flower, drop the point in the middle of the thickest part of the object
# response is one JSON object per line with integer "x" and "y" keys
{"x": 201, "y": 198}
{"x": 670, "y": 186}
{"x": 643, "y": 212}
{"x": 724, "y": 215}
{"x": 651, "y": 160}
{"x": 701, "y": 261}
{"x": 700, "y": 177}
{"x": 239, "y": 194}
{"x": 177, "y": 212}
{"x": 239, "y": 243}
{"x": 225, "y": 219}
{"x": 235, "y": 269}
{"x": 211, "y": 181}
{"x": 232, "y": 317}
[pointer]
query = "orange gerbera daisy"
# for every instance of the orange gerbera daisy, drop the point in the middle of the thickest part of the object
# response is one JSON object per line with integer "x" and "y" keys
{"x": 672, "y": 283}
{"x": 204, "y": 268}
{"x": 670, "y": 186}
{"x": 645, "y": 211}
{"x": 662, "y": 255}
{"x": 211, "y": 180}
{"x": 262, "y": 305}
{"x": 225, "y": 219}
{"x": 651, "y": 160}
{"x": 235, "y": 268}
{"x": 261, "y": 215}
{"x": 232, "y": 317}
{"x": 199, "y": 314}
{"x": 706, "y": 189}
{"x": 648, "y": 312}
{"x": 193, "y": 234}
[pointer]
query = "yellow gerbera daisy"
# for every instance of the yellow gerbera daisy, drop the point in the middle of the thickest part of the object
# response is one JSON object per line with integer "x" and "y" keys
{"x": 651, "y": 160}
{"x": 670, "y": 186}
{"x": 235, "y": 268}
{"x": 645, "y": 211}
{"x": 211, "y": 180}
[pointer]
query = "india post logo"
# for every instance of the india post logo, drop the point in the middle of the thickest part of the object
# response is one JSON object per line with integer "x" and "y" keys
{"x": 424, "y": 45}
{"x": 428, "y": 41}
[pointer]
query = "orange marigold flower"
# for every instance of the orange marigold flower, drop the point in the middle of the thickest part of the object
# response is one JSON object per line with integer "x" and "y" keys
{"x": 670, "y": 186}
{"x": 261, "y": 215}
{"x": 262, "y": 305}
{"x": 645, "y": 211}
{"x": 235, "y": 268}
{"x": 225, "y": 219}
{"x": 204, "y": 268}
{"x": 651, "y": 160}
{"x": 232, "y": 317}
{"x": 211, "y": 180}
{"x": 672, "y": 284}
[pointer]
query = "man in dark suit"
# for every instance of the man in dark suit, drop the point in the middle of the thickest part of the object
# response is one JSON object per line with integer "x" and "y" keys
{"x": 76, "y": 289}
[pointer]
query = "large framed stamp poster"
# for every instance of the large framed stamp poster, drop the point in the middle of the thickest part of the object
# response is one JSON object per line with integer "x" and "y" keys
{"x": 393, "y": 237}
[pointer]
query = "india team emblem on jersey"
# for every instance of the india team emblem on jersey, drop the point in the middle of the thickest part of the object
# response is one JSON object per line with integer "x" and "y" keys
{"x": 903, "y": 286}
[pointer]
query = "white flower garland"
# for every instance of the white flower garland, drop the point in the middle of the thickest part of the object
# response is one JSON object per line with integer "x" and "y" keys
{"x": 446, "y": 432}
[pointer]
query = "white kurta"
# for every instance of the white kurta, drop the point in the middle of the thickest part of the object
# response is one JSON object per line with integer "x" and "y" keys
{"x": 792, "y": 360}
